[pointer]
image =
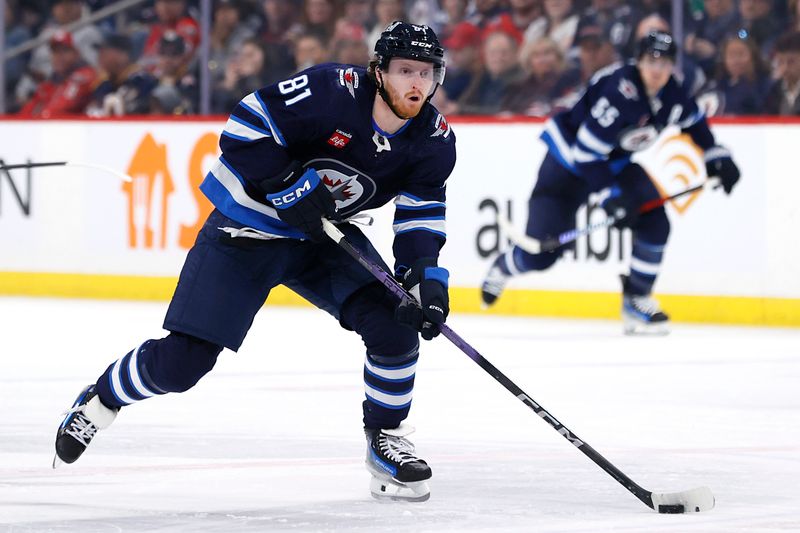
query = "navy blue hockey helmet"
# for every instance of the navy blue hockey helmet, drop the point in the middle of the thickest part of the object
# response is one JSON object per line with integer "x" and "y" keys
{"x": 657, "y": 44}
{"x": 410, "y": 41}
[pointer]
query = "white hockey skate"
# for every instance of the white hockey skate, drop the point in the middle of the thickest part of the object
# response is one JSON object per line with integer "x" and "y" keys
{"x": 397, "y": 473}
{"x": 494, "y": 283}
{"x": 641, "y": 314}
{"x": 82, "y": 421}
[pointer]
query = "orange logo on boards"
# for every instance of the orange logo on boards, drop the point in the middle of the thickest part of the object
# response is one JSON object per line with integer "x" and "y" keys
{"x": 677, "y": 165}
{"x": 153, "y": 185}
{"x": 150, "y": 190}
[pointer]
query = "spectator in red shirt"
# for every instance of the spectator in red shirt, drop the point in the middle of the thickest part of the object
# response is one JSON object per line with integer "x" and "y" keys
{"x": 171, "y": 17}
{"x": 68, "y": 90}
{"x": 85, "y": 39}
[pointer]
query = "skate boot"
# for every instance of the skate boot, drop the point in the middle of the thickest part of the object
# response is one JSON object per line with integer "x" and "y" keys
{"x": 641, "y": 314}
{"x": 82, "y": 421}
{"x": 494, "y": 283}
{"x": 397, "y": 473}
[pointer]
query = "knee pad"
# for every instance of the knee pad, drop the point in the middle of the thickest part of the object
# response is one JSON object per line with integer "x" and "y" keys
{"x": 178, "y": 361}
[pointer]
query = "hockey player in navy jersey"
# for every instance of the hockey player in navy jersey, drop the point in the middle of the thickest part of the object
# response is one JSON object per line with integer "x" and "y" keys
{"x": 589, "y": 149}
{"x": 330, "y": 142}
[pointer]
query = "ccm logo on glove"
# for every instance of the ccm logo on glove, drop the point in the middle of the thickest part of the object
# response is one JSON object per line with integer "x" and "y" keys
{"x": 284, "y": 199}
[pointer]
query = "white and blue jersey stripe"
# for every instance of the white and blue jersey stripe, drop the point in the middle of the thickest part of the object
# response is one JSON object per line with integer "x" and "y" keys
{"x": 415, "y": 214}
{"x": 226, "y": 190}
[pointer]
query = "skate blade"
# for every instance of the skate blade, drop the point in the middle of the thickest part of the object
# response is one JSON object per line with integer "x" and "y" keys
{"x": 57, "y": 462}
{"x": 486, "y": 305}
{"x": 636, "y": 328}
{"x": 386, "y": 490}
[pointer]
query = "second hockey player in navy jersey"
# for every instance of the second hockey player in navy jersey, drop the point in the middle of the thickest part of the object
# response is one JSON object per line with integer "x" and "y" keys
{"x": 330, "y": 142}
{"x": 589, "y": 149}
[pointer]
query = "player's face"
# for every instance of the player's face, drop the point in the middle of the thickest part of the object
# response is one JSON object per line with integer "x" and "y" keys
{"x": 408, "y": 83}
{"x": 655, "y": 72}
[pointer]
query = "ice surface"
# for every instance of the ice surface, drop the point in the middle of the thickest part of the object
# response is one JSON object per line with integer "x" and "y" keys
{"x": 271, "y": 440}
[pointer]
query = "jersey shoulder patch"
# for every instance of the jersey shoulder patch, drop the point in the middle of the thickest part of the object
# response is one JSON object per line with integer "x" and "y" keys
{"x": 441, "y": 127}
{"x": 434, "y": 126}
{"x": 349, "y": 79}
{"x": 628, "y": 89}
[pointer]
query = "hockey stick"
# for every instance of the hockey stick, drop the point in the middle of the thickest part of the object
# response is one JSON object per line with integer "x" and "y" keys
{"x": 695, "y": 500}
{"x": 536, "y": 246}
{"x": 74, "y": 164}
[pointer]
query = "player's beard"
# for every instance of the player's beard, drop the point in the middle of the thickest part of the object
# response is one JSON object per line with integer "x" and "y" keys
{"x": 402, "y": 106}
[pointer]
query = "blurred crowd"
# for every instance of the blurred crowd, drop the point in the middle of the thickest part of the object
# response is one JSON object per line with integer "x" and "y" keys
{"x": 504, "y": 57}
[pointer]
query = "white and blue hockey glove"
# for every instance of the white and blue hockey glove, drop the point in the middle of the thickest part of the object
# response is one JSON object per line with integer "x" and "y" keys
{"x": 720, "y": 164}
{"x": 428, "y": 284}
{"x": 304, "y": 202}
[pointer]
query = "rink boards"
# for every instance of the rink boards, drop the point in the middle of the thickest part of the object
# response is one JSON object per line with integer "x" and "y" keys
{"x": 84, "y": 232}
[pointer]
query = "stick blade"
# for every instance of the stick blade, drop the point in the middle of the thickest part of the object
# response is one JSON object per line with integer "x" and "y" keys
{"x": 689, "y": 501}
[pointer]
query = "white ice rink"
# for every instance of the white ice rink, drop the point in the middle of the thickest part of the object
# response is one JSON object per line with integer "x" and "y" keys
{"x": 271, "y": 440}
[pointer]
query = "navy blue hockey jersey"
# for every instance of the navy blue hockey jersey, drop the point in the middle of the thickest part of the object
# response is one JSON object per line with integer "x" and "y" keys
{"x": 614, "y": 118}
{"x": 322, "y": 117}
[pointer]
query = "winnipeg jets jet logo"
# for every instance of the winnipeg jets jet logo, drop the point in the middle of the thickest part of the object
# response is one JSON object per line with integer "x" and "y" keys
{"x": 344, "y": 189}
{"x": 350, "y": 188}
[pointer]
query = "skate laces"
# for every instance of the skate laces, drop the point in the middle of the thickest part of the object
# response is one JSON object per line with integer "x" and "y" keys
{"x": 397, "y": 449}
{"x": 81, "y": 428}
{"x": 645, "y": 304}
{"x": 76, "y": 409}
